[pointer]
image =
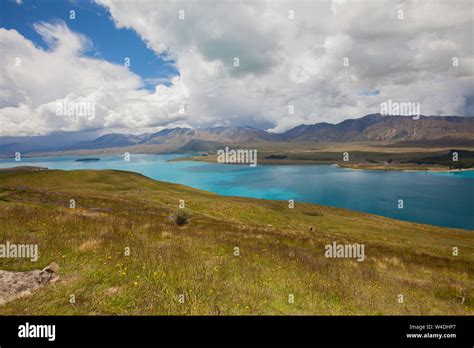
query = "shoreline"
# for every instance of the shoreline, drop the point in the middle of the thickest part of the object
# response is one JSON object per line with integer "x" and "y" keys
{"x": 355, "y": 166}
{"x": 432, "y": 170}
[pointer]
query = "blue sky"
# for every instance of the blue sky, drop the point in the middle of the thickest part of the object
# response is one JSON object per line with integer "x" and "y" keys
{"x": 93, "y": 21}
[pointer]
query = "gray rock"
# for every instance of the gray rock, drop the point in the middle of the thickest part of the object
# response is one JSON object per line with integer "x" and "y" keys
{"x": 17, "y": 284}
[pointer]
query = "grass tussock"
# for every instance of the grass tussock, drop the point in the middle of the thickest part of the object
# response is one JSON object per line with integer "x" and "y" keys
{"x": 181, "y": 217}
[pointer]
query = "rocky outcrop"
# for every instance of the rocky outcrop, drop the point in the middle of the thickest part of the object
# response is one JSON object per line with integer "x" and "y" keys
{"x": 17, "y": 284}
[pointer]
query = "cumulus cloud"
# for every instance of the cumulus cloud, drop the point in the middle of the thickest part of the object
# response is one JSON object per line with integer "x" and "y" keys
{"x": 323, "y": 58}
{"x": 34, "y": 82}
{"x": 291, "y": 53}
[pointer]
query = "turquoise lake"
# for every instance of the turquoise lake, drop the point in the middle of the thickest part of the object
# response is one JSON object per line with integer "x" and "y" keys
{"x": 443, "y": 199}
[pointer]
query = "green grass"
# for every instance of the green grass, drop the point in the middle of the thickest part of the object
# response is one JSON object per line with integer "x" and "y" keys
{"x": 279, "y": 255}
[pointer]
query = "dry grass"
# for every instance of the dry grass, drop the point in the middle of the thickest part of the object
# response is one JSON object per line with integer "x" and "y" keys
{"x": 279, "y": 253}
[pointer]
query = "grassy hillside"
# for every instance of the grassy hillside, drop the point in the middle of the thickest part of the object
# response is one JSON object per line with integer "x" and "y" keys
{"x": 281, "y": 252}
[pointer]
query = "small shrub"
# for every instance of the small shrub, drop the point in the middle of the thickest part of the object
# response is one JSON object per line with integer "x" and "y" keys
{"x": 181, "y": 217}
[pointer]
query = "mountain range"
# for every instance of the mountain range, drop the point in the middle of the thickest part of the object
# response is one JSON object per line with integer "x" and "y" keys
{"x": 375, "y": 127}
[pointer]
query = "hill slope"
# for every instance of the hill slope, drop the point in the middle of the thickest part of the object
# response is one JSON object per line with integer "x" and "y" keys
{"x": 385, "y": 128}
{"x": 281, "y": 252}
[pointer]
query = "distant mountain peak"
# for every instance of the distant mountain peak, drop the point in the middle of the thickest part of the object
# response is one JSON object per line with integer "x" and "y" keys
{"x": 372, "y": 127}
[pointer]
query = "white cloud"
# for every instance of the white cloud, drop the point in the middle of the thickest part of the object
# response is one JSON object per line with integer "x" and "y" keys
{"x": 299, "y": 61}
{"x": 33, "y": 81}
{"x": 282, "y": 61}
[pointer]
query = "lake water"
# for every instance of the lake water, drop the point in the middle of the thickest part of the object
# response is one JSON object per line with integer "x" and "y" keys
{"x": 444, "y": 199}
